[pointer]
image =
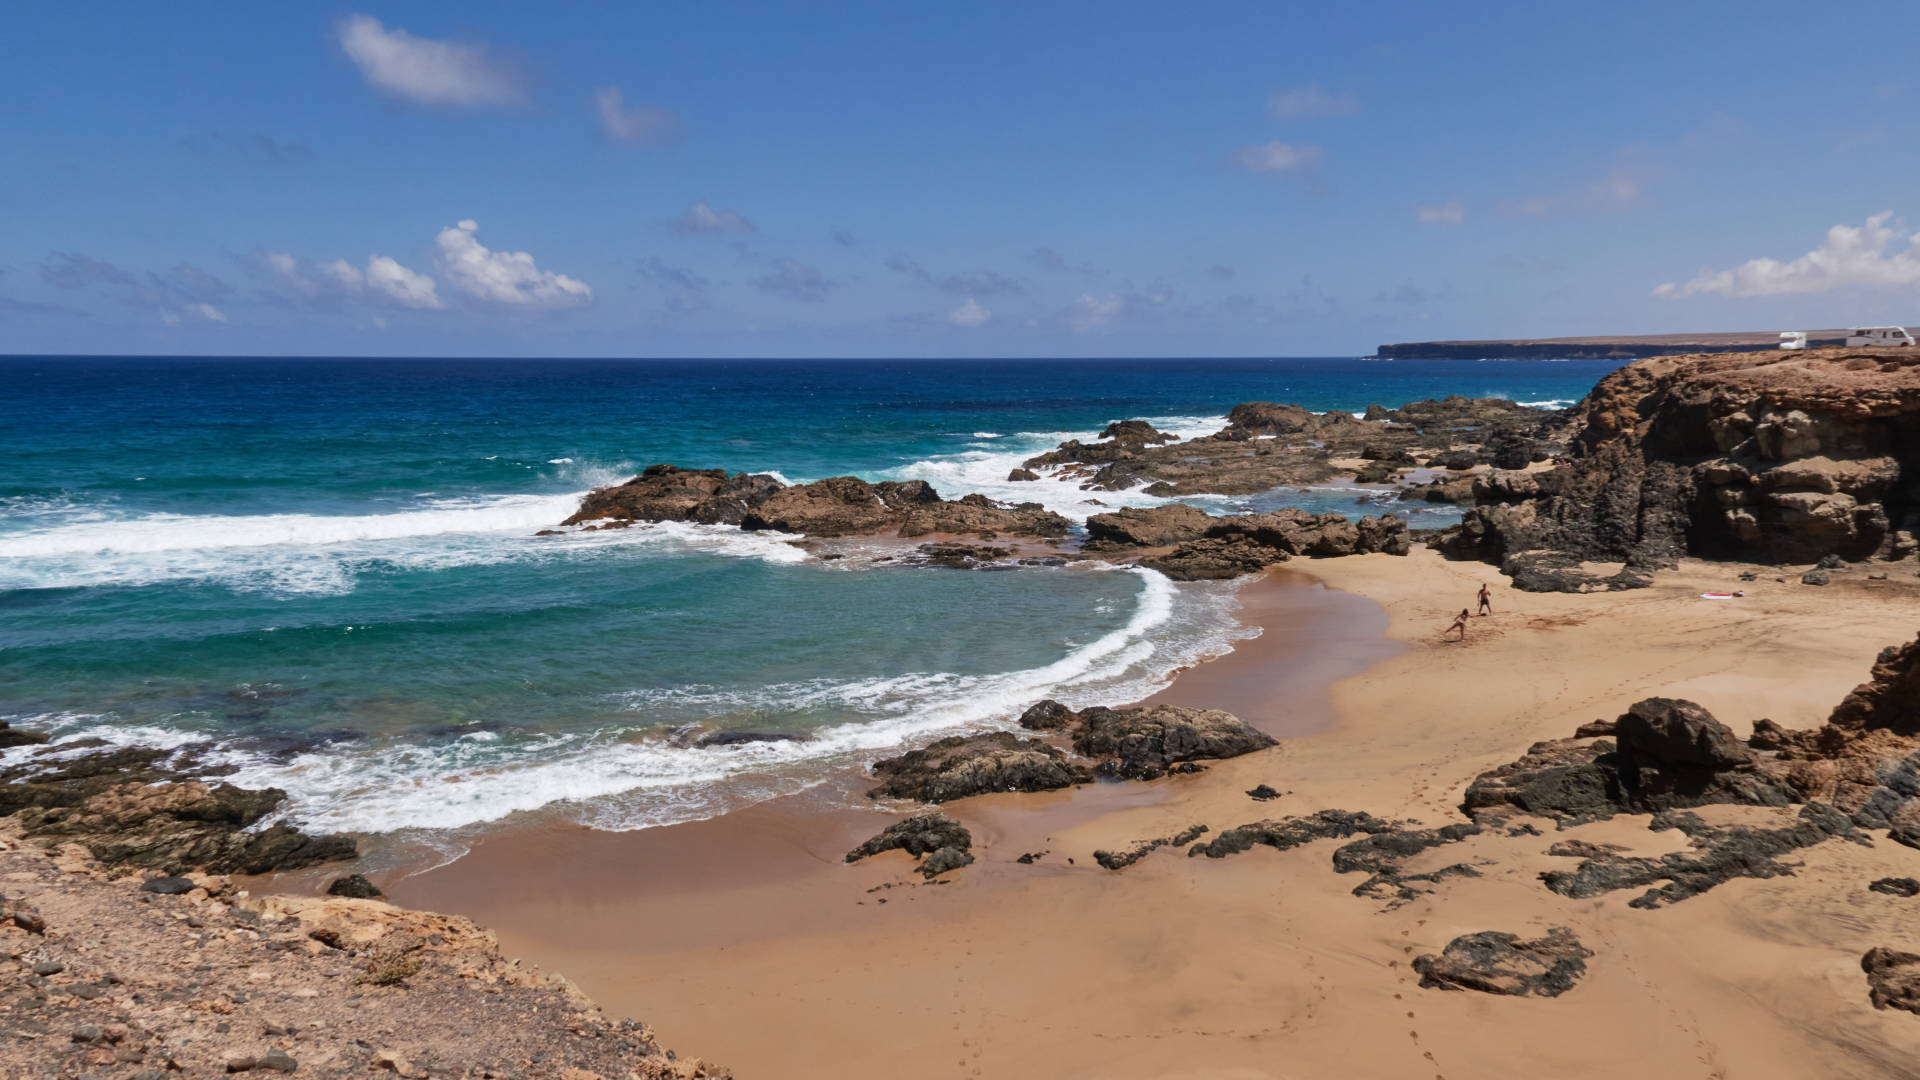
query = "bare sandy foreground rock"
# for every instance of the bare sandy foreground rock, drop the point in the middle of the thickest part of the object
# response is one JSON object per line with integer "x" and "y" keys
{"x": 763, "y": 948}
{"x": 121, "y": 975}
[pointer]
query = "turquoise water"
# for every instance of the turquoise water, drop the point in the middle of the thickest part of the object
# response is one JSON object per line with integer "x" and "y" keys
{"x": 329, "y": 567}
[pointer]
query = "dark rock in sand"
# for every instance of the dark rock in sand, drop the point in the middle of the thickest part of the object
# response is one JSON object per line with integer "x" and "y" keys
{"x": 1893, "y": 978}
{"x": 1890, "y": 699}
{"x": 1381, "y": 854}
{"x": 1897, "y": 886}
{"x": 1117, "y": 860}
{"x": 1496, "y": 963}
{"x": 1291, "y": 832}
{"x": 1048, "y": 715}
{"x": 945, "y": 843}
{"x": 354, "y": 886}
{"x": 1676, "y": 732}
{"x": 1718, "y": 853}
{"x": 1263, "y": 793}
{"x": 1670, "y": 754}
{"x": 167, "y": 886}
{"x": 1140, "y": 744}
{"x": 963, "y": 765}
{"x": 1816, "y": 577}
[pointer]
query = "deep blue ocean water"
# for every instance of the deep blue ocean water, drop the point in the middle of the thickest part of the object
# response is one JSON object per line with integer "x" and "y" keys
{"x": 329, "y": 565}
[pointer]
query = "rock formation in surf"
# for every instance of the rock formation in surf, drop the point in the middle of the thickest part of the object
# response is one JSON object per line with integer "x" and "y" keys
{"x": 1267, "y": 445}
{"x": 153, "y": 808}
{"x": 837, "y": 506}
{"x": 1764, "y": 457}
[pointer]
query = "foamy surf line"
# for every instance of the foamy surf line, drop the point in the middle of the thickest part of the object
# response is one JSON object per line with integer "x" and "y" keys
{"x": 631, "y": 777}
{"x": 301, "y": 553}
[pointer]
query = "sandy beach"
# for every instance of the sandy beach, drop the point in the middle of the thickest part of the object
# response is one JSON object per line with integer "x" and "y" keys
{"x": 748, "y": 938}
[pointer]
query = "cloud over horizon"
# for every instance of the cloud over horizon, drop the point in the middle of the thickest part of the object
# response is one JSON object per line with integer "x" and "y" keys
{"x": 1849, "y": 257}
{"x": 507, "y": 278}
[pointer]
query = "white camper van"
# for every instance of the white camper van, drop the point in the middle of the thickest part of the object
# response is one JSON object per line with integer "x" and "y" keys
{"x": 1879, "y": 335}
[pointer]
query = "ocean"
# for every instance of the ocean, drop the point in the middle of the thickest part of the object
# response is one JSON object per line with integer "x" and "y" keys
{"x": 328, "y": 568}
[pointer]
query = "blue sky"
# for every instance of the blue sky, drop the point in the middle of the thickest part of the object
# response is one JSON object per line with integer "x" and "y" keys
{"x": 922, "y": 180}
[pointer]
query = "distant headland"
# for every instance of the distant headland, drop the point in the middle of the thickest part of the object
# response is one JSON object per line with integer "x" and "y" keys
{"x": 1624, "y": 347}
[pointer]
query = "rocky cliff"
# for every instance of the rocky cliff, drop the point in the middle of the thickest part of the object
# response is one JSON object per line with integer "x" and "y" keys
{"x": 1766, "y": 457}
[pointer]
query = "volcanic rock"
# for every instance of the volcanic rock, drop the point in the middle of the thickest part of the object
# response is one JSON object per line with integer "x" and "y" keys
{"x": 354, "y": 886}
{"x": 963, "y": 765}
{"x": 1140, "y": 744}
{"x": 1496, "y": 963}
{"x": 1155, "y": 527}
{"x": 1893, "y": 978}
{"x": 1289, "y": 833}
{"x": 671, "y": 493}
{"x": 945, "y": 843}
{"x": 1762, "y": 457}
{"x": 1048, "y": 715}
{"x": 1718, "y": 854}
{"x": 1896, "y": 886}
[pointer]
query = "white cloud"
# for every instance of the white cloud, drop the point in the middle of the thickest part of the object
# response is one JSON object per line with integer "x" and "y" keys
{"x": 504, "y": 277}
{"x": 700, "y": 217}
{"x": 426, "y": 71}
{"x": 201, "y": 312}
{"x": 1091, "y": 311}
{"x": 1451, "y": 212}
{"x": 636, "y": 126}
{"x": 1306, "y": 101}
{"x": 1278, "y": 157}
{"x": 969, "y": 314}
{"x": 1849, "y": 258}
{"x": 405, "y": 287}
{"x": 384, "y": 279}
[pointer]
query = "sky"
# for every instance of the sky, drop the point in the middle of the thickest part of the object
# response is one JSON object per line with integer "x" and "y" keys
{"x": 912, "y": 180}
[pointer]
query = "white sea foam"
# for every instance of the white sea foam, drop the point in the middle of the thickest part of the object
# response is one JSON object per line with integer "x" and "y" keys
{"x": 628, "y": 777}
{"x": 984, "y": 468}
{"x": 308, "y": 553}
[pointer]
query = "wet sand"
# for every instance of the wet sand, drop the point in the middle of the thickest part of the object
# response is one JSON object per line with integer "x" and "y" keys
{"x": 747, "y": 940}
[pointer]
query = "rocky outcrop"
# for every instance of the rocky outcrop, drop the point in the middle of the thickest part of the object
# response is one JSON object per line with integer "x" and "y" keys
{"x": 184, "y": 826}
{"x": 1718, "y": 854}
{"x": 1120, "y": 860}
{"x": 113, "y": 981}
{"x": 939, "y": 842}
{"x": 671, "y": 493}
{"x": 1765, "y": 457}
{"x": 1157, "y": 526}
{"x": 1889, "y": 700}
{"x": 1496, "y": 963}
{"x": 1144, "y": 743}
{"x": 1267, "y": 445}
{"x": 1669, "y": 754}
{"x": 150, "y": 808}
{"x": 963, "y": 765}
{"x": 1893, "y": 978}
{"x": 1248, "y": 543}
{"x": 1289, "y": 833}
{"x": 836, "y": 506}
{"x": 1896, "y": 886}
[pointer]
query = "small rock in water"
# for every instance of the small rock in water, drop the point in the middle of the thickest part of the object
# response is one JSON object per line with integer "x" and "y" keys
{"x": 168, "y": 886}
{"x": 354, "y": 886}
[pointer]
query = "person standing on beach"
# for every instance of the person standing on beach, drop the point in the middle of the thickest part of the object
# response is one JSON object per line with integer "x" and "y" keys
{"x": 1459, "y": 623}
{"x": 1486, "y": 600}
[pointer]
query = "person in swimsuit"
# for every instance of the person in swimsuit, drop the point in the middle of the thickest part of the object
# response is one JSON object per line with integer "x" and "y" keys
{"x": 1459, "y": 623}
{"x": 1486, "y": 600}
